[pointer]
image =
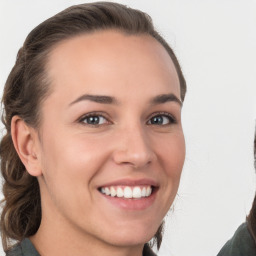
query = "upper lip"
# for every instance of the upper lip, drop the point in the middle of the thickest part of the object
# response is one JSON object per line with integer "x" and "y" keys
{"x": 131, "y": 182}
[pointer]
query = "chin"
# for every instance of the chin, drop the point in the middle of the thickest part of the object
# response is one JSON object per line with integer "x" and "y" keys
{"x": 131, "y": 237}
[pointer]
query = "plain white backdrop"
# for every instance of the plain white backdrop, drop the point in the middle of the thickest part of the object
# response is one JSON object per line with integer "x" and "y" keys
{"x": 215, "y": 42}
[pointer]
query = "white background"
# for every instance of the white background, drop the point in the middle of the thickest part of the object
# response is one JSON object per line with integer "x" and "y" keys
{"x": 215, "y": 42}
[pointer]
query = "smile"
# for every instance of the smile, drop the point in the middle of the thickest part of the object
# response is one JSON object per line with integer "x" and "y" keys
{"x": 128, "y": 192}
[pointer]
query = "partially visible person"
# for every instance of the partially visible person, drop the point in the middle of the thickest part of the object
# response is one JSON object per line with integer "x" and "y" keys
{"x": 243, "y": 243}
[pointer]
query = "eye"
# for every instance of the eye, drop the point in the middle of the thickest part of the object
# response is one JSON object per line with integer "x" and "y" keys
{"x": 161, "y": 119}
{"x": 94, "y": 119}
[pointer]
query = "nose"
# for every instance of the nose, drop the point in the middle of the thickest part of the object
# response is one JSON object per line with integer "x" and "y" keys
{"x": 134, "y": 149}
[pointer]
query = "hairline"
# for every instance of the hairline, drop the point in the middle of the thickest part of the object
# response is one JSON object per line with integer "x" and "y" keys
{"x": 48, "y": 52}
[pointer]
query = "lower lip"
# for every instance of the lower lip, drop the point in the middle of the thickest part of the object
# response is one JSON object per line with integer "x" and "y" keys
{"x": 130, "y": 203}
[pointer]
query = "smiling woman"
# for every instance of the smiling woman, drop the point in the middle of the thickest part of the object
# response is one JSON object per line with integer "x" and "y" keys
{"x": 94, "y": 146}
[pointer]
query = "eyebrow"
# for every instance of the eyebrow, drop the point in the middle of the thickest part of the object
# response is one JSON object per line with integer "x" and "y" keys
{"x": 163, "y": 98}
{"x": 95, "y": 98}
{"x": 159, "y": 99}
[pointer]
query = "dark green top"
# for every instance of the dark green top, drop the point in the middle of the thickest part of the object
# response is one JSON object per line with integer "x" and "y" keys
{"x": 241, "y": 244}
{"x": 26, "y": 248}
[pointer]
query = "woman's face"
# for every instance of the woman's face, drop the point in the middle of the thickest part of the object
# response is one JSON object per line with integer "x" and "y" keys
{"x": 112, "y": 124}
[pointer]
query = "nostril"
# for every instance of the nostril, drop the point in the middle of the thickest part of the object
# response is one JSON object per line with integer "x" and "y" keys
{"x": 135, "y": 159}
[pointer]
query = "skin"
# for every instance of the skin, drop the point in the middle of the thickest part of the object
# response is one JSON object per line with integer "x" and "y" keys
{"x": 72, "y": 158}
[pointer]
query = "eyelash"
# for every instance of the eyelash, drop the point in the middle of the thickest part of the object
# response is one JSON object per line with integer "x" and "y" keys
{"x": 167, "y": 115}
{"x": 93, "y": 114}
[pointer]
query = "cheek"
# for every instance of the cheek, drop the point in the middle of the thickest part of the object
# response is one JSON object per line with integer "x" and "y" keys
{"x": 171, "y": 158}
{"x": 74, "y": 158}
{"x": 173, "y": 155}
{"x": 69, "y": 168}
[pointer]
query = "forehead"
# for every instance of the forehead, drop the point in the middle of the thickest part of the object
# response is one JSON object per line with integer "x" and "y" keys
{"x": 113, "y": 58}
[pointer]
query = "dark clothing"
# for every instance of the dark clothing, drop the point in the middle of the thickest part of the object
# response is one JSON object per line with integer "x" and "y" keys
{"x": 26, "y": 248}
{"x": 147, "y": 251}
{"x": 241, "y": 244}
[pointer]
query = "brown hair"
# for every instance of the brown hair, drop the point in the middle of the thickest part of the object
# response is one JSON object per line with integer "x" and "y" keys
{"x": 251, "y": 219}
{"x": 26, "y": 88}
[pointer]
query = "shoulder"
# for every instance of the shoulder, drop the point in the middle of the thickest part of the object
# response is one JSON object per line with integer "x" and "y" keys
{"x": 15, "y": 250}
{"x": 23, "y": 248}
{"x": 147, "y": 251}
{"x": 240, "y": 244}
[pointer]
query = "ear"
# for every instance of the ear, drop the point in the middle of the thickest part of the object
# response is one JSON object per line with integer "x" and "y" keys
{"x": 25, "y": 140}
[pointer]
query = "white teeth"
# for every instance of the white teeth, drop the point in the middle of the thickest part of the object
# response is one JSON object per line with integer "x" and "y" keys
{"x": 136, "y": 193}
{"x": 119, "y": 192}
{"x": 149, "y": 191}
{"x": 107, "y": 191}
{"x": 143, "y": 192}
{"x": 127, "y": 191}
{"x": 112, "y": 191}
